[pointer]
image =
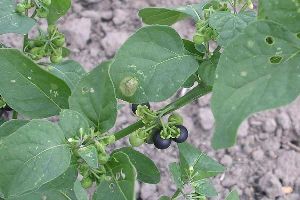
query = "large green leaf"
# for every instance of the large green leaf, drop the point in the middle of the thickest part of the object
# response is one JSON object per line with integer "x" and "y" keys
{"x": 71, "y": 122}
{"x": 69, "y": 71}
{"x": 258, "y": 70}
{"x": 230, "y": 25}
{"x": 32, "y": 156}
{"x": 152, "y": 65}
{"x": 95, "y": 98}
{"x": 80, "y": 192}
{"x": 147, "y": 171}
{"x": 121, "y": 186}
{"x": 10, "y": 127}
{"x": 169, "y": 16}
{"x": 29, "y": 89}
{"x": 12, "y": 22}
{"x": 197, "y": 163}
{"x": 283, "y": 12}
{"x": 60, "y": 188}
{"x": 89, "y": 155}
{"x": 233, "y": 195}
{"x": 57, "y": 9}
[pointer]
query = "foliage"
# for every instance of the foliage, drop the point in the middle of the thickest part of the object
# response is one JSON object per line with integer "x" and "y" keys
{"x": 254, "y": 67}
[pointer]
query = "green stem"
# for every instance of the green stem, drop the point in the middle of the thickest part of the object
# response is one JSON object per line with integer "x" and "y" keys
{"x": 15, "y": 115}
{"x": 176, "y": 194}
{"x": 192, "y": 95}
{"x": 234, "y": 7}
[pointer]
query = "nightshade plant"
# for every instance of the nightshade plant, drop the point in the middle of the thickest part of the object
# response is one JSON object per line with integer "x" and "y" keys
{"x": 254, "y": 65}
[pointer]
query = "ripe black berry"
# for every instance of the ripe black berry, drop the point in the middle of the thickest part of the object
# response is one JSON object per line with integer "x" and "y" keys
{"x": 183, "y": 134}
{"x": 159, "y": 142}
{"x": 134, "y": 106}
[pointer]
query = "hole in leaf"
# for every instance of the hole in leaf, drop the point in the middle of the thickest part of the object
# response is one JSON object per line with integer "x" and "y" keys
{"x": 298, "y": 35}
{"x": 270, "y": 40}
{"x": 275, "y": 59}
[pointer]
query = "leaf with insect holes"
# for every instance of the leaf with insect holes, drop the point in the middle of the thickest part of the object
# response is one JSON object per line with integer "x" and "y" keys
{"x": 60, "y": 188}
{"x": 94, "y": 97}
{"x": 230, "y": 25}
{"x": 69, "y": 71}
{"x": 285, "y": 12}
{"x": 57, "y": 9}
{"x": 80, "y": 192}
{"x": 153, "y": 58}
{"x": 29, "y": 89}
{"x": 12, "y": 22}
{"x": 197, "y": 163}
{"x": 89, "y": 155}
{"x": 10, "y": 127}
{"x": 121, "y": 186}
{"x": 233, "y": 195}
{"x": 71, "y": 122}
{"x": 258, "y": 70}
{"x": 147, "y": 171}
{"x": 41, "y": 156}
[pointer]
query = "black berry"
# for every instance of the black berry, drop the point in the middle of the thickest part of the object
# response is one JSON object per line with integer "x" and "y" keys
{"x": 159, "y": 142}
{"x": 183, "y": 134}
{"x": 134, "y": 106}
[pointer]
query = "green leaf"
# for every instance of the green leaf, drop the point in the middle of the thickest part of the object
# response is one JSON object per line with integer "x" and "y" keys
{"x": 200, "y": 165}
{"x": 147, "y": 171}
{"x": 80, "y": 192}
{"x": 28, "y": 89}
{"x": 205, "y": 188}
{"x": 57, "y": 9}
{"x": 10, "y": 127}
{"x": 176, "y": 174}
{"x": 69, "y": 71}
{"x": 153, "y": 58}
{"x": 283, "y": 12}
{"x": 233, "y": 195}
{"x": 249, "y": 79}
{"x": 121, "y": 186}
{"x": 207, "y": 69}
{"x": 40, "y": 157}
{"x": 60, "y": 188}
{"x": 89, "y": 155}
{"x": 12, "y": 22}
{"x": 95, "y": 98}
{"x": 71, "y": 122}
{"x": 169, "y": 16}
{"x": 230, "y": 25}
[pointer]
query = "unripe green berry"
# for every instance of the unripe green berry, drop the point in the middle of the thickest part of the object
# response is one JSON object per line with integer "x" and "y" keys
{"x": 42, "y": 12}
{"x": 46, "y": 2}
{"x": 103, "y": 158}
{"x": 20, "y": 8}
{"x": 135, "y": 140}
{"x": 59, "y": 42}
{"x": 198, "y": 39}
{"x": 86, "y": 182}
{"x": 55, "y": 58}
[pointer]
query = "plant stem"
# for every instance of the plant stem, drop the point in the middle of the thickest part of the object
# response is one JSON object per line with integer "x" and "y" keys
{"x": 26, "y": 35}
{"x": 192, "y": 95}
{"x": 15, "y": 115}
{"x": 234, "y": 7}
{"x": 175, "y": 195}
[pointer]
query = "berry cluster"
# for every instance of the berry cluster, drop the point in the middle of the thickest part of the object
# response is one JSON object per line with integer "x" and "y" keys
{"x": 46, "y": 44}
{"x": 156, "y": 131}
{"x": 100, "y": 143}
{"x": 41, "y": 6}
